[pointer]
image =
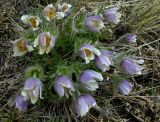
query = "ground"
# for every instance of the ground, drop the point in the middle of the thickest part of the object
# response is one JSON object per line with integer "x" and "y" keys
{"x": 142, "y": 105}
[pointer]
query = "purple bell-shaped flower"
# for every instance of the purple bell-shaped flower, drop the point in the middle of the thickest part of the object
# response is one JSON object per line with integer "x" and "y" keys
{"x": 63, "y": 85}
{"x": 89, "y": 79}
{"x": 94, "y": 23}
{"x": 125, "y": 87}
{"x": 131, "y": 66}
{"x": 21, "y": 103}
{"x": 84, "y": 103}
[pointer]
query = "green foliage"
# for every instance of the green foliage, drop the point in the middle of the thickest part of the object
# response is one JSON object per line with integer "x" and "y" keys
{"x": 35, "y": 71}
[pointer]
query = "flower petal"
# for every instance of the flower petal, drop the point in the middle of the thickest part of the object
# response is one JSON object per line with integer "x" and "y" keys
{"x": 32, "y": 97}
{"x": 89, "y": 100}
{"x": 43, "y": 39}
{"x": 125, "y": 87}
{"x": 91, "y": 85}
{"x": 131, "y": 67}
{"x": 25, "y": 94}
{"x": 103, "y": 62}
{"x": 60, "y": 15}
{"x": 81, "y": 106}
{"x": 53, "y": 40}
{"x": 30, "y": 83}
{"x": 21, "y": 104}
{"x": 17, "y": 52}
{"x": 88, "y": 75}
{"x": 36, "y": 42}
{"x": 59, "y": 89}
{"x": 24, "y": 18}
{"x": 42, "y": 50}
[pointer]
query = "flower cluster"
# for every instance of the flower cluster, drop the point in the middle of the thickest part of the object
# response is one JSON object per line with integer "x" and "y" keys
{"x": 87, "y": 78}
{"x": 44, "y": 40}
{"x": 95, "y": 23}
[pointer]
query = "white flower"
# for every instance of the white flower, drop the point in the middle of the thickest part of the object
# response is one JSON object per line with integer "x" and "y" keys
{"x": 49, "y": 12}
{"x": 33, "y": 21}
{"x": 63, "y": 10}
{"x": 21, "y": 47}
{"x": 88, "y": 52}
{"x": 45, "y": 41}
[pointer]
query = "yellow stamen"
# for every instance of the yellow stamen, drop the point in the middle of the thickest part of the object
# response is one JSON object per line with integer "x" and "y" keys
{"x": 33, "y": 21}
{"x": 88, "y": 53}
{"x": 95, "y": 23}
{"x": 48, "y": 40}
{"x": 51, "y": 13}
{"x": 21, "y": 45}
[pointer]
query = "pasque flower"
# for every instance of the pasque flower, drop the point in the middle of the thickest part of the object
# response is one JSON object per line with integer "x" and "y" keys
{"x": 129, "y": 37}
{"x": 104, "y": 60}
{"x": 94, "y": 23}
{"x": 131, "y": 66}
{"x": 88, "y": 52}
{"x": 63, "y": 85}
{"x": 125, "y": 87}
{"x": 21, "y": 103}
{"x": 32, "y": 89}
{"x": 89, "y": 79}
{"x": 33, "y": 21}
{"x": 21, "y": 46}
{"x": 112, "y": 16}
{"x": 84, "y": 103}
{"x": 49, "y": 12}
{"x": 63, "y": 10}
{"x": 46, "y": 42}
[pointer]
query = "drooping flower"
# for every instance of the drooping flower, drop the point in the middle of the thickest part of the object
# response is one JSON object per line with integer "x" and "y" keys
{"x": 63, "y": 10}
{"x": 63, "y": 86}
{"x": 21, "y": 46}
{"x": 87, "y": 52}
{"x": 131, "y": 66}
{"x": 46, "y": 42}
{"x": 33, "y": 21}
{"x": 84, "y": 103}
{"x": 112, "y": 16}
{"x": 129, "y": 37}
{"x": 21, "y": 103}
{"x": 94, "y": 23}
{"x": 125, "y": 87}
{"x": 49, "y": 12}
{"x": 104, "y": 61}
{"x": 32, "y": 89}
{"x": 89, "y": 79}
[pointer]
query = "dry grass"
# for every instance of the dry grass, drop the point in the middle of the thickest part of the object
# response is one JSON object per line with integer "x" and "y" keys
{"x": 141, "y": 105}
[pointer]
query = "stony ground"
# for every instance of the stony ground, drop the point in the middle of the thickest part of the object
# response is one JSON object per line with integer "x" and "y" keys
{"x": 144, "y": 108}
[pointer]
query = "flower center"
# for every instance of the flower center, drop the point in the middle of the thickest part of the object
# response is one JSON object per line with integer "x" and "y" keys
{"x": 95, "y": 23}
{"x": 88, "y": 53}
{"x": 48, "y": 40}
{"x": 21, "y": 45}
{"x": 51, "y": 13}
{"x": 33, "y": 21}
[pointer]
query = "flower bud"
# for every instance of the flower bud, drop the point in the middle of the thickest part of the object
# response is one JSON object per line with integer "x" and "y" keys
{"x": 89, "y": 79}
{"x": 61, "y": 83}
{"x": 112, "y": 16}
{"x": 84, "y": 103}
{"x": 125, "y": 87}
{"x": 131, "y": 66}
{"x": 94, "y": 23}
